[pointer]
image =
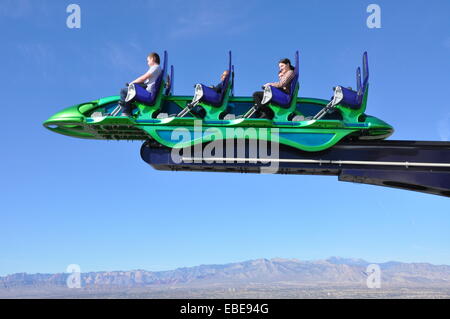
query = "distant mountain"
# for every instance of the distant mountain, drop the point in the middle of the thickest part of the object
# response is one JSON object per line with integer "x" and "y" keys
{"x": 348, "y": 261}
{"x": 277, "y": 271}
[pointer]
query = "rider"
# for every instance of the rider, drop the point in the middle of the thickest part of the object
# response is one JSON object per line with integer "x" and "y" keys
{"x": 146, "y": 80}
{"x": 198, "y": 110}
{"x": 285, "y": 76}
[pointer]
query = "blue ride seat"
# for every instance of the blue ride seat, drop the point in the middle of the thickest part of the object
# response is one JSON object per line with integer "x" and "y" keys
{"x": 281, "y": 98}
{"x": 348, "y": 98}
{"x": 169, "y": 82}
{"x": 353, "y": 99}
{"x": 210, "y": 96}
{"x": 214, "y": 103}
{"x": 283, "y": 104}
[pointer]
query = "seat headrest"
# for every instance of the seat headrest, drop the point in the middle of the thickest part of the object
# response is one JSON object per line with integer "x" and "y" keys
{"x": 358, "y": 80}
{"x": 230, "y": 75}
{"x": 365, "y": 69}
{"x": 295, "y": 78}
{"x": 169, "y": 88}
{"x": 225, "y": 83}
{"x": 293, "y": 84}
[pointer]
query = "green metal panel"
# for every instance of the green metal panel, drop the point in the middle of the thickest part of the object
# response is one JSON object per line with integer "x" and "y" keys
{"x": 309, "y": 135}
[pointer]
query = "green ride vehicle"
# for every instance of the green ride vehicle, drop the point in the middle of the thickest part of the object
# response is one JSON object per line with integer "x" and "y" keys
{"x": 307, "y": 124}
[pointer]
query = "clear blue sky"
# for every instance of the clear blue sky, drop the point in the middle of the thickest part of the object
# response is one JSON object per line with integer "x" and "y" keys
{"x": 97, "y": 204}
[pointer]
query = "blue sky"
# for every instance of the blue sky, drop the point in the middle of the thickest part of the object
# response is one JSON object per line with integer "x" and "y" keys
{"x": 97, "y": 204}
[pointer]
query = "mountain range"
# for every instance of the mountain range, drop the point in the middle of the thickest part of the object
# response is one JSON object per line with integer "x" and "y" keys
{"x": 273, "y": 272}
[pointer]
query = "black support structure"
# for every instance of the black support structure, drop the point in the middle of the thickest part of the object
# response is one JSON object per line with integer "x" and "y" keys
{"x": 412, "y": 165}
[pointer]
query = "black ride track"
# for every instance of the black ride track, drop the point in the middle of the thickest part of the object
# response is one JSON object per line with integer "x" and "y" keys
{"x": 422, "y": 166}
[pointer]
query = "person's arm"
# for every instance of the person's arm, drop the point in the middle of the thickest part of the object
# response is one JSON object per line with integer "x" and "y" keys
{"x": 144, "y": 77}
{"x": 284, "y": 80}
{"x": 218, "y": 88}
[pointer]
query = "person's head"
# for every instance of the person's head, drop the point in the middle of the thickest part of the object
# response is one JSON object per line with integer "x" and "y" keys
{"x": 285, "y": 65}
{"x": 224, "y": 75}
{"x": 153, "y": 58}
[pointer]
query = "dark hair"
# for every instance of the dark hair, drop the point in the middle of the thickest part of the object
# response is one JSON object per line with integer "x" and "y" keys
{"x": 155, "y": 57}
{"x": 288, "y": 62}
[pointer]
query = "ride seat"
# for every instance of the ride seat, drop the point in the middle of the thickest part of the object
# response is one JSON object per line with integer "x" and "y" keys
{"x": 210, "y": 96}
{"x": 215, "y": 104}
{"x": 281, "y": 98}
{"x": 353, "y": 99}
{"x": 283, "y": 104}
{"x": 169, "y": 82}
{"x": 139, "y": 94}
